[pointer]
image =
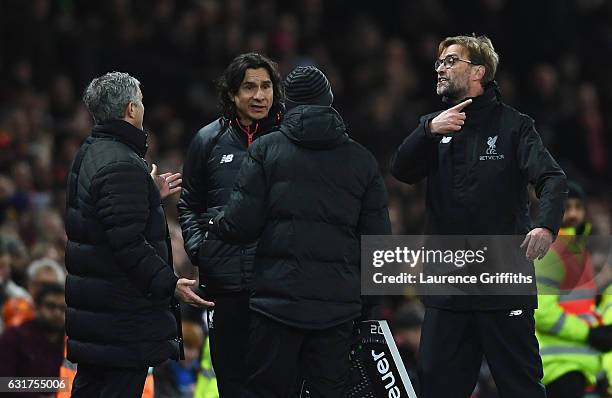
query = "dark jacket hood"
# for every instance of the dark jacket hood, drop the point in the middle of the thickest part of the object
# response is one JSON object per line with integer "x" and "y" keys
{"x": 314, "y": 127}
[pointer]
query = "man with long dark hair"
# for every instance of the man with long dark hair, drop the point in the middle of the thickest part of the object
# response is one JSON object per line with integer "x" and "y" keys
{"x": 250, "y": 97}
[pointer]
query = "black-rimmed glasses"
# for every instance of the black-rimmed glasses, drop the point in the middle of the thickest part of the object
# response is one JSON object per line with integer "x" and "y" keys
{"x": 450, "y": 60}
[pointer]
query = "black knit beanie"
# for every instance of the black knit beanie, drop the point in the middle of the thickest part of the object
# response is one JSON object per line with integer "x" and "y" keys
{"x": 307, "y": 85}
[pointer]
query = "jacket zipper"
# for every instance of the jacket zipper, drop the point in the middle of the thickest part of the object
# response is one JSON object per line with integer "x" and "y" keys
{"x": 250, "y": 136}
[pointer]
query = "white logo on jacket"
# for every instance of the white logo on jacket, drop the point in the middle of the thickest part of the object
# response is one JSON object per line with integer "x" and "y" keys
{"x": 491, "y": 151}
{"x": 227, "y": 158}
{"x": 446, "y": 140}
{"x": 210, "y": 315}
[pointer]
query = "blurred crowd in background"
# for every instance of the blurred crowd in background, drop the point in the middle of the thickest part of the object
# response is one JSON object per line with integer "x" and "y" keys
{"x": 555, "y": 63}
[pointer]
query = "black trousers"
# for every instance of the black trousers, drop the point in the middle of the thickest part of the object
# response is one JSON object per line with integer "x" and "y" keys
{"x": 105, "y": 382}
{"x": 453, "y": 344}
{"x": 279, "y": 353}
{"x": 229, "y": 334}
{"x": 570, "y": 385}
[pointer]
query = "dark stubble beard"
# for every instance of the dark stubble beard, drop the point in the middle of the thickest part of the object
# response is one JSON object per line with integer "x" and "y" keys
{"x": 49, "y": 327}
{"x": 454, "y": 91}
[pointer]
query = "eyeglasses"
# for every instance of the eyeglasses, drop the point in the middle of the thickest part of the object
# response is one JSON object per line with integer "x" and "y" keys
{"x": 450, "y": 60}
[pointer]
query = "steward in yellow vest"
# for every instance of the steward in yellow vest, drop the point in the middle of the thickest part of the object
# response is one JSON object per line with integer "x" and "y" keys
{"x": 568, "y": 326}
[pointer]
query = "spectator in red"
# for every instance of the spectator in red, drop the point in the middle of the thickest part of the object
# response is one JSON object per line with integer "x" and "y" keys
{"x": 17, "y": 310}
{"x": 8, "y": 288}
{"x": 36, "y": 347}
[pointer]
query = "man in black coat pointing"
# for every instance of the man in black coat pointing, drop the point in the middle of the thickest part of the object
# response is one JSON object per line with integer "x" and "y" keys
{"x": 479, "y": 156}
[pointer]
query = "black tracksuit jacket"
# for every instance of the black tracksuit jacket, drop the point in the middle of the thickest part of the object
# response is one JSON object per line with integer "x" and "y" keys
{"x": 477, "y": 182}
{"x": 209, "y": 172}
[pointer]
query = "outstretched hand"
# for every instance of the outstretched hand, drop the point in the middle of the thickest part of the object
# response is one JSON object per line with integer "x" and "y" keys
{"x": 168, "y": 183}
{"x": 184, "y": 293}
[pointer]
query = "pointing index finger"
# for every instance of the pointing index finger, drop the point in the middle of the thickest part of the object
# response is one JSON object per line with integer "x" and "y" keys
{"x": 462, "y": 105}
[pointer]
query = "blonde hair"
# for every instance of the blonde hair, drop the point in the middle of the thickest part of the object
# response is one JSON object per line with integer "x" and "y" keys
{"x": 480, "y": 51}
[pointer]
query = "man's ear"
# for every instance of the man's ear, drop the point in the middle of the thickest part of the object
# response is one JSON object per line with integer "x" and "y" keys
{"x": 129, "y": 110}
{"x": 479, "y": 72}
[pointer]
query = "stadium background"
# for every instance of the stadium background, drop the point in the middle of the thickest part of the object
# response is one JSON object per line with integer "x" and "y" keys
{"x": 556, "y": 58}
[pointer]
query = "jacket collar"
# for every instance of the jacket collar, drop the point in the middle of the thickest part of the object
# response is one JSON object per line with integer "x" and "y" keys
{"x": 124, "y": 132}
{"x": 490, "y": 97}
{"x": 247, "y": 134}
{"x": 482, "y": 105}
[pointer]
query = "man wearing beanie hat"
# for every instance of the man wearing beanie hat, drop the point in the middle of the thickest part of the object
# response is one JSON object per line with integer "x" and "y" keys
{"x": 308, "y": 192}
{"x": 307, "y": 85}
{"x": 568, "y": 326}
{"x": 250, "y": 96}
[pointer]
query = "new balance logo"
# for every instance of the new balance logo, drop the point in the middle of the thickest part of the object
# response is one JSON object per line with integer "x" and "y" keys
{"x": 446, "y": 140}
{"x": 516, "y": 313}
{"x": 227, "y": 158}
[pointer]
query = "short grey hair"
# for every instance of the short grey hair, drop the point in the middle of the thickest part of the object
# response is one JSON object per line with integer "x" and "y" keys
{"x": 107, "y": 96}
{"x": 47, "y": 263}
